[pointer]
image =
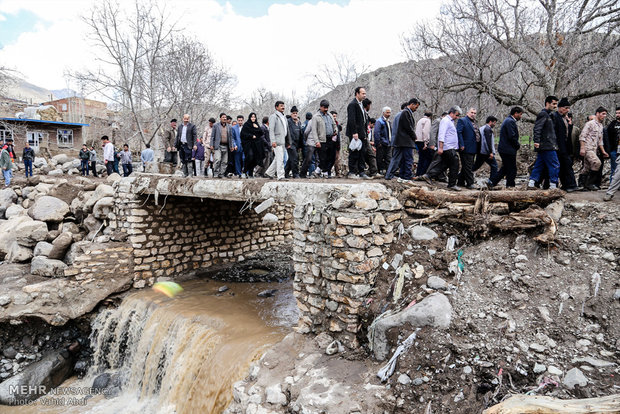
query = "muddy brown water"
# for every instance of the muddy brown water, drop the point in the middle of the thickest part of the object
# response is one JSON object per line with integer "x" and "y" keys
{"x": 178, "y": 355}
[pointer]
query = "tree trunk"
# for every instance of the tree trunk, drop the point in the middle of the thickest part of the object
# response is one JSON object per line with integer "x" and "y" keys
{"x": 526, "y": 404}
{"x": 438, "y": 197}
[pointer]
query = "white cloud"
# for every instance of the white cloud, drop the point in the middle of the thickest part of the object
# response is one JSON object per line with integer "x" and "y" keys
{"x": 275, "y": 51}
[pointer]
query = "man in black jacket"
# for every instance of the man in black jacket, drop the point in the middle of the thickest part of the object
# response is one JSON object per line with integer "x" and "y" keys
{"x": 507, "y": 148}
{"x": 356, "y": 129}
{"x": 404, "y": 141}
{"x": 613, "y": 135}
{"x": 295, "y": 134}
{"x": 186, "y": 140}
{"x": 546, "y": 145}
{"x": 563, "y": 131}
{"x": 486, "y": 153}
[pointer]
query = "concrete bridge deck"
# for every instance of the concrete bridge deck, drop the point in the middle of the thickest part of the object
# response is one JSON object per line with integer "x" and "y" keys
{"x": 296, "y": 191}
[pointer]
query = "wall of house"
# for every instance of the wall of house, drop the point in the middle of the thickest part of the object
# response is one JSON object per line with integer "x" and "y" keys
{"x": 20, "y": 137}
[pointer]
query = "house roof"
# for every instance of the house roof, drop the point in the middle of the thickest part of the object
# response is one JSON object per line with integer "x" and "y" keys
{"x": 42, "y": 121}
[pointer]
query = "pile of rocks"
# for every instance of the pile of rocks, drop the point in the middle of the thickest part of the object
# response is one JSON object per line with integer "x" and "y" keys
{"x": 40, "y": 228}
{"x": 58, "y": 165}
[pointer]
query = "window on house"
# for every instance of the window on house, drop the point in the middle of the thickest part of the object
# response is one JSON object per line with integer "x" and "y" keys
{"x": 65, "y": 138}
{"x": 36, "y": 139}
{"x": 5, "y": 132}
{"x": 64, "y": 107}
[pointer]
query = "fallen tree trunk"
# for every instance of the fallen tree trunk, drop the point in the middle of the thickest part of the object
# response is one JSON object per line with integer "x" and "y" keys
{"x": 438, "y": 197}
{"x": 532, "y": 404}
{"x": 485, "y": 211}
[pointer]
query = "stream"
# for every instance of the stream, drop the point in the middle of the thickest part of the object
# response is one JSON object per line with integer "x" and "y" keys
{"x": 179, "y": 355}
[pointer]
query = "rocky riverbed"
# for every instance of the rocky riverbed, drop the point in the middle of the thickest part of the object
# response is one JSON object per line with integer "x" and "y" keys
{"x": 516, "y": 317}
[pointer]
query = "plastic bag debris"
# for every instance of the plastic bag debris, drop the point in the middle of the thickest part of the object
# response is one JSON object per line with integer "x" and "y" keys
{"x": 387, "y": 371}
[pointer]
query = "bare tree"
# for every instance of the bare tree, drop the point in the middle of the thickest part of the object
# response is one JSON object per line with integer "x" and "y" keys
{"x": 4, "y": 79}
{"x": 518, "y": 51}
{"x": 148, "y": 70}
{"x": 341, "y": 70}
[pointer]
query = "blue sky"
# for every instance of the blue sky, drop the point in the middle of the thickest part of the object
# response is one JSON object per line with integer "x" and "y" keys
{"x": 255, "y": 8}
{"x": 15, "y": 24}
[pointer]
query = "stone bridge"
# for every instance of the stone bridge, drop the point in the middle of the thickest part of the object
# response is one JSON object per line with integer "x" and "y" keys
{"x": 340, "y": 233}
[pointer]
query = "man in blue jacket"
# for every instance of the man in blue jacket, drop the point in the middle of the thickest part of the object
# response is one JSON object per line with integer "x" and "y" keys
{"x": 469, "y": 139}
{"x": 546, "y": 145}
{"x": 383, "y": 137}
{"x": 507, "y": 148}
{"x": 237, "y": 152}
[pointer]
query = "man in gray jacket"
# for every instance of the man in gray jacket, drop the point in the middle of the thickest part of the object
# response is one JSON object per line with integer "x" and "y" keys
{"x": 221, "y": 143}
{"x": 323, "y": 129}
{"x": 278, "y": 134}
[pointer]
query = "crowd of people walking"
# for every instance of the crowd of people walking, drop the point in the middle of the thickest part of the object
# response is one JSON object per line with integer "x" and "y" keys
{"x": 450, "y": 147}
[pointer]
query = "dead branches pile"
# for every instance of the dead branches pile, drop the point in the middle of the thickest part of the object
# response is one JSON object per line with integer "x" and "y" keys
{"x": 483, "y": 211}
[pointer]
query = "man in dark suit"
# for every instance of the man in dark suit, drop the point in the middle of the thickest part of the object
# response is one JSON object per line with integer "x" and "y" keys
{"x": 546, "y": 146}
{"x": 563, "y": 132}
{"x": 469, "y": 140}
{"x": 507, "y": 148}
{"x": 185, "y": 143}
{"x": 356, "y": 129}
{"x": 404, "y": 141}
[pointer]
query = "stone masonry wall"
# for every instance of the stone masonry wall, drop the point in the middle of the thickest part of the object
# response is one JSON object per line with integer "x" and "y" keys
{"x": 337, "y": 252}
{"x": 97, "y": 260}
{"x": 183, "y": 234}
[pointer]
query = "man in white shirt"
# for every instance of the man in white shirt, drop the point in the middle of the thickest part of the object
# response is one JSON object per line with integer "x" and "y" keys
{"x": 423, "y": 136}
{"x": 108, "y": 154}
{"x": 448, "y": 144}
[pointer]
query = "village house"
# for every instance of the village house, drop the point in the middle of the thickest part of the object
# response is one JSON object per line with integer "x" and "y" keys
{"x": 48, "y": 138}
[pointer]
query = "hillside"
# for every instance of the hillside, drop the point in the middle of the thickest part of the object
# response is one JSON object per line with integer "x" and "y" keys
{"x": 18, "y": 88}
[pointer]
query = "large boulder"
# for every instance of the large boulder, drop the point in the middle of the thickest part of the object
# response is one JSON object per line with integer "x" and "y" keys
{"x": 69, "y": 226}
{"x": 37, "y": 379}
{"x": 434, "y": 310}
{"x": 39, "y": 162}
{"x": 57, "y": 171}
{"x": 26, "y": 191}
{"x": 28, "y": 233}
{"x": 48, "y": 208}
{"x": 7, "y": 232}
{"x": 103, "y": 207}
{"x": 60, "y": 159}
{"x": 102, "y": 190}
{"x": 43, "y": 188}
{"x": 86, "y": 183}
{"x": 421, "y": 233}
{"x": 67, "y": 166}
{"x": 60, "y": 245}
{"x": 42, "y": 266}
{"x": 114, "y": 177}
{"x": 17, "y": 253}
{"x": 91, "y": 223}
{"x": 78, "y": 204}
{"x": 7, "y": 197}
{"x": 14, "y": 210}
{"x": 43, "y": 248}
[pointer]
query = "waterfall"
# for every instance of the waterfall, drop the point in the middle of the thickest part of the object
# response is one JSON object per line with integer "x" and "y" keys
{"x": 182, "y": 355}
